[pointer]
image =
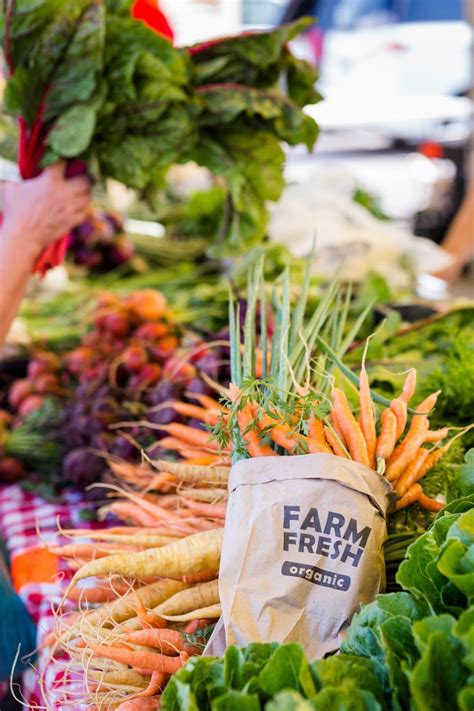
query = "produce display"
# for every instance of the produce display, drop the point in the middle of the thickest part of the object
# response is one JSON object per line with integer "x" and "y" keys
{"x": 271, "y": 471}
{"x": 92, "y": 85}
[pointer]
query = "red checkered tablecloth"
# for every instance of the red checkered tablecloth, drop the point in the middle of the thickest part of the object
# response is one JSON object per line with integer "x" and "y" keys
{"x": 26, "y": 522}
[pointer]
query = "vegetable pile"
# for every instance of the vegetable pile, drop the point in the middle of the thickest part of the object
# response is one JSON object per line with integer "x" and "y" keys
{"x": 409, "y": 649}
{"x": 91, "y": 84}
{"x": 295, "y": 408}
{"x": 133, "y": 368}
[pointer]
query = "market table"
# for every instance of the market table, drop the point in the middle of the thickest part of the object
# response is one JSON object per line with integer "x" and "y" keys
{"x": 26, "y": 523}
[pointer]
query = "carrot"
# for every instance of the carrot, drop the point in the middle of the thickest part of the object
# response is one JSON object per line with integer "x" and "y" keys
{"x": 79, "y": 550}
{"x": 210, "y": 510}
{"x": 193, "y": 554}
{"x": 334, "y": 443}
{"x": 349, "y": 427}
{"x": 366, "y": 416}
{"x": 163, "y": 482}
{"x": 98, "y": 594}
{"x": 202, "y": 595}
{"x": 191, "y": 435}
{"x": 128, "y": 512}
{"x": 152, "y": 703}
{"x": 157, "y": 683}
{"x": 167, "y": 641}
{"x": 206, "y": 401}
{"x": 386, "y": 439}
{"x": 144, "y": 660}
{"x": 409, "y": 498}
{"x": 190, "y": 472}
{"x": 207, "y": 496}
{"x": 399, "y": 405}
{"x": 255, "y": 447}
{"x": 195, "y": 625}
{"x": 130, "y": 471}
{"x": 125, "y": 677}
{"x": 406, "y": 450}
{"x": 152, "y": 509}
{"x": 436, "y": 435}
{"x": 317, "y": 436}
{"x": 400, "y": 410}
{"x": 126, "y": 607}
{"x": 205, "y": 459}
{"x": 412, "y": 473}
{"x": 429, "y": 504}
{"x": 210, "y": 417}
{"x": 212, "y": 612}
{"x": 409, "y": 385}
{"x": 203, "y": 577}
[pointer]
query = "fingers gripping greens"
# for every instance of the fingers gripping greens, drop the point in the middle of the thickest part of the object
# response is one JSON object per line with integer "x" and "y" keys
{"x": 87, "y": 81}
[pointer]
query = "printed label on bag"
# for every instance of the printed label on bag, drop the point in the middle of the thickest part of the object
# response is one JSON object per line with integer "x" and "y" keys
{"x": 333, "y": 536}
{"x": 318, "y": 576}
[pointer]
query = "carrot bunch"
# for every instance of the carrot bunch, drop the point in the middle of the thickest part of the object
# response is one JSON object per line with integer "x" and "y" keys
{"x": 295, "y": 407}
{"x": 144, "y": 616}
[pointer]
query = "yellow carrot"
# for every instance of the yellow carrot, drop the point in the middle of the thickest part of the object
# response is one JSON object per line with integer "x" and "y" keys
{"x": 208, "y": 613}
{"x": 202, "y": 595}
{"x": 193, "y": 554}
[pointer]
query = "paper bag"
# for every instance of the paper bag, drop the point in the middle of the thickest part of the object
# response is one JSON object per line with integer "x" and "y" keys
{"x": 303, "y": 547}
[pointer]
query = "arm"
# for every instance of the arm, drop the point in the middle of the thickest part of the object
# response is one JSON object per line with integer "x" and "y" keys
{"x": 36, "y": 212}
{"x": 459, "y": 240}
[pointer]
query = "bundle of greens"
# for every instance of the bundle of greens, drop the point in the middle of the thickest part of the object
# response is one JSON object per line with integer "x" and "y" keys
{"x": 407, "y": 650}
{"x": 89, "y": 83}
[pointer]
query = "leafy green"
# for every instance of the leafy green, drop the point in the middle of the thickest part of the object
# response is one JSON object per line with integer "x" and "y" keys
{"x": 92, "y": 83}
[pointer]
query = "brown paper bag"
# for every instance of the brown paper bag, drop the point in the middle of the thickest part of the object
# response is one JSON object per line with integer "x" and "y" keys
{"x": 303, "y": 547}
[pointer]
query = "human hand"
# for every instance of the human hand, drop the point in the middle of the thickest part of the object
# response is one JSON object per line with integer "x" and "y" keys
{"x": 41, "y": 209}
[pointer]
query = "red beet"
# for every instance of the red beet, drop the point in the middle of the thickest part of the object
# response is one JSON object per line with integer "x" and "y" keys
{"x": 134, "y": 358}
{"x": 117, "y": 323}
{"x": 11, "y": 470}
{"x": 20, "y": 390}
{"x": 45, "y": 383}
{"x": 30, "y": 404}
{"x": 152, "y": 331}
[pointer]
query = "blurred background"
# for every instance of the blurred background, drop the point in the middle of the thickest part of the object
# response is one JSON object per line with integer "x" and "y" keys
{"x": 396, "y": 77}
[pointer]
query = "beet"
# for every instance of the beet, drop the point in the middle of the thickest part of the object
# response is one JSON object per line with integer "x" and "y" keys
{"x": 81, "y": 467}
{"x": 11, "y": 470}
{"x": 124, "y": 449}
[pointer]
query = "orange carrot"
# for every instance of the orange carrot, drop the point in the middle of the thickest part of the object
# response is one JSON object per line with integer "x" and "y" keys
{"x": 316, "y": 434}
{"x": 167, "y": 641}
{"x": 399, "y": 405}
{"x": 255, "y": 447}
{"x": 162, "y": 482}
{"x": 429, "y": 504}
{"x": 210, "y": 417}
{"x": 388, "y": 435}
{"x": 128, "y": 512}
{"x": 366, "y": 416}
{"x": 209, "y": 510}
{"x": 349, "y": 427}
{"x": 191, "y": 435}
{"x": 412, "y": 473}
{"x": 400, "y": 410}
{"x": 407, "y": 449}
{"x": 334, "y": 444}
{"x": 436, "y": 435}
{"x": 156, "y": 685}
{"x": 144, "y": 660}
{"x": 409, "y": 498}
{"x": 195, "y": 625}
{"x": 98, "y": 594}
{"x": 206, "y": 401}
{"x": 409, "y": 385}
